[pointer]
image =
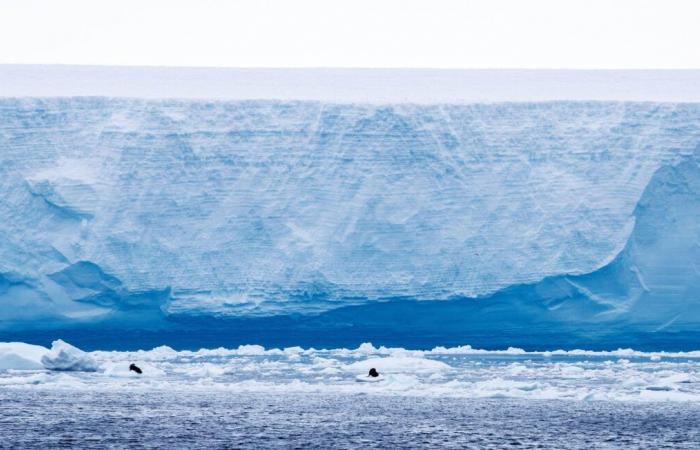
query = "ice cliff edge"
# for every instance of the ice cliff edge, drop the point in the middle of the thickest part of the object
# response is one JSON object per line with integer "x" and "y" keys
{"x": 144, "y": 208}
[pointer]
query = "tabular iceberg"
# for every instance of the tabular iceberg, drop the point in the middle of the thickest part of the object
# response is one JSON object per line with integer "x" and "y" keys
{"x": 566, "y": 212}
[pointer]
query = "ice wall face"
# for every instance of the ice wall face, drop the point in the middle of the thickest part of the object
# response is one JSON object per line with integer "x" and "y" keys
{"x": 265, "y": 208}
{"x": 663, "y": 253}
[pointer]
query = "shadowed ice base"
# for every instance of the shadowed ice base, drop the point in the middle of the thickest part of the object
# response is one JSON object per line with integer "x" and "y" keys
{"x": 407, "y": 324}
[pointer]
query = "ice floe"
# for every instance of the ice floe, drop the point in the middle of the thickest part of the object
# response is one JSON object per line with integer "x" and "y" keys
{"x": 64, "y": 356}
{"x": 21, "y": 356}
{"x": 620, "y": 375}
{"x": 397, "y": 365}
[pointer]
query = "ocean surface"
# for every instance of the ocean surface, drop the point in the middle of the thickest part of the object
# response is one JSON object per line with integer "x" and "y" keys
{"x": 253, "y": 397}
{"x": 42, "y": 418}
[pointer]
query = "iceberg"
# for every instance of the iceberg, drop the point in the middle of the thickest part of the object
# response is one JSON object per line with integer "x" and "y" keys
{"x": 21, "y": 356}
{"x": 525, "y": 217}
{"x": 64, "y": 356}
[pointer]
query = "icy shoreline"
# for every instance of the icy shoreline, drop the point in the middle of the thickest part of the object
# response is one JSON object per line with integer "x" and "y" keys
{"x": 463, "y": 372}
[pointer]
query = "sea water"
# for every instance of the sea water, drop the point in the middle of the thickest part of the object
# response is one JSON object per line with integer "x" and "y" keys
{"x": 42, "y": 418}
{"x": 459, "y": 397}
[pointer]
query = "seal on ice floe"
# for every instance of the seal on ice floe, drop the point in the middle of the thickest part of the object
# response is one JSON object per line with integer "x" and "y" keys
{"x": 135, "y": 368}
{"x": 372, "y": 376}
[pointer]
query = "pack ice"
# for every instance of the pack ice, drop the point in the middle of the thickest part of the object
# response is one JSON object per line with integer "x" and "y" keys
{"x": 139, "y": 209}
{"x": 61, "y": 357}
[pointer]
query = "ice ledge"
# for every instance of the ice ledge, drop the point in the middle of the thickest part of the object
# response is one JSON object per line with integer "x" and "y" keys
{"x": 351, "y": 85}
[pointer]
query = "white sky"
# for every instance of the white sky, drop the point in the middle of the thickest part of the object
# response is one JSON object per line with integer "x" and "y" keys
{"x": 614, "y": 34}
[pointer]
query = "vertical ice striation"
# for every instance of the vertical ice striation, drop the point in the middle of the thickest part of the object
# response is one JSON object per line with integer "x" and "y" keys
{"x": 269, "y": 207}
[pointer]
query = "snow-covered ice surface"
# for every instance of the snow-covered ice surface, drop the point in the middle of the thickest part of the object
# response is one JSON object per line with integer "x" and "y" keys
{"x": 21, "y": 356}
{"x": 61, "y": 356}
{"x": 66, "y": 357}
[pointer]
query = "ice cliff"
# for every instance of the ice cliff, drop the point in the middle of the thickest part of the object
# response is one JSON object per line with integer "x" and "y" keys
{"x": 141, "y": 209}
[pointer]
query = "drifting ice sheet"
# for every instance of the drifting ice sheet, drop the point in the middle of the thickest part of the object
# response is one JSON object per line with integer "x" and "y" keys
{"x": 64, "y": 356}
